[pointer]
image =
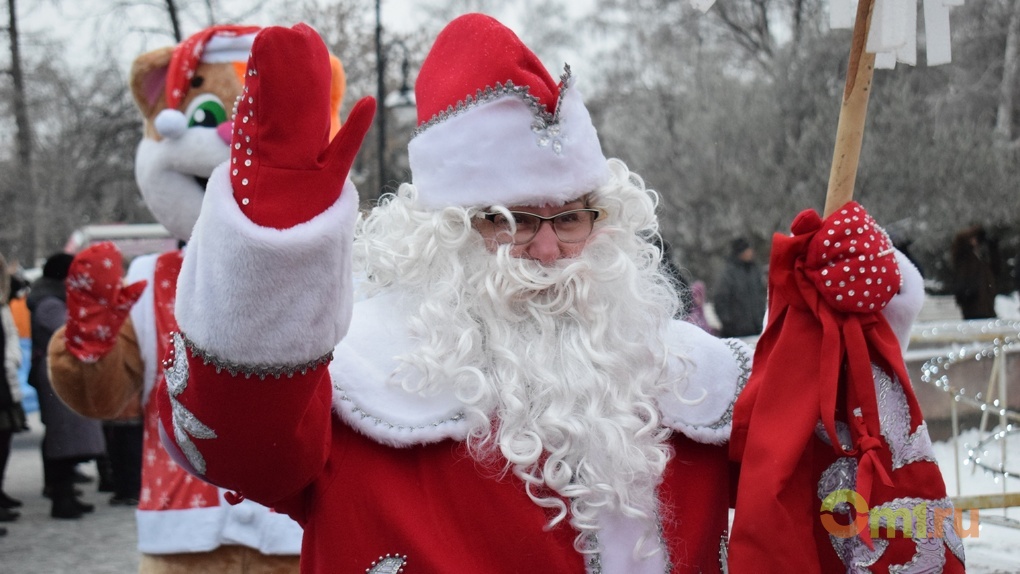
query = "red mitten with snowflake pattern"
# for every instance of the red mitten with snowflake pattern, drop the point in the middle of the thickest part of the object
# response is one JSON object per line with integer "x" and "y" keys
{"x": 284, "y": 169}
{"x": 850, "y": 260}
{"x": 97, "y": 302}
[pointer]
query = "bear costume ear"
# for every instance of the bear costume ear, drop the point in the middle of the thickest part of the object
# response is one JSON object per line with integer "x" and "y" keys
{"x": 148, "y": 80}
{"x": 338, "y": 86}
{"x": 149, "y": 76}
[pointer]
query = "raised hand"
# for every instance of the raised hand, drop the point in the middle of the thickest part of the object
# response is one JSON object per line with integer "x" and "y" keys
{"x": 850, "y": 260}
{"x": 97, "y": 303}
{"x": 283, "y": 168}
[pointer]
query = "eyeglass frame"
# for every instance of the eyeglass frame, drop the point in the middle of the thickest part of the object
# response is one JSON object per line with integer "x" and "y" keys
{"x": 489, "y": 216}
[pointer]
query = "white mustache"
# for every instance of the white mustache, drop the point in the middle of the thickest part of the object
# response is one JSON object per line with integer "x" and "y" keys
{"x": 554, "y": 289}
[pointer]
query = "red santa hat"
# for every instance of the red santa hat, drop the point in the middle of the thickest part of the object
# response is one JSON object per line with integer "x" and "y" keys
{"x": 216, "y": 44}
{"x": 494, "y": 127}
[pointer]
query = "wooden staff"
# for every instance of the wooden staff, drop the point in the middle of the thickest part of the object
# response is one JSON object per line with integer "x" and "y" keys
{"x": 852, "y": 114}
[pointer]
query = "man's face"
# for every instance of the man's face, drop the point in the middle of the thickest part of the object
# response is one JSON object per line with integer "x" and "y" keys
{"x": 547, "y": 246}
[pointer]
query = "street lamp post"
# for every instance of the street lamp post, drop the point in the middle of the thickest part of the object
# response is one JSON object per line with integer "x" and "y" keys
{"x": 403, "y": 98}
{"x": 380, "y": 86}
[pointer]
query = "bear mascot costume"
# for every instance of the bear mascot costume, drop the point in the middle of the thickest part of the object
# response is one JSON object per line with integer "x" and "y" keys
{"x": 106, "y": 360}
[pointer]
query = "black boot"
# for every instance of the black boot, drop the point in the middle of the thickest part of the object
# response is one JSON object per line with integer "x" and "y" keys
{"x": 107, "y": 481}
{"x": 62, "y": 491}
{"x": 85, "y": 507}
{"x": 8, "y": 502}
{"x": 65, "y": 505}
{"x": 47, "y": 491}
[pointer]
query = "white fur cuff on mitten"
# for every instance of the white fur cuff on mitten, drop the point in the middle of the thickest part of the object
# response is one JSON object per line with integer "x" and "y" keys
{"x": 255, "y": 295}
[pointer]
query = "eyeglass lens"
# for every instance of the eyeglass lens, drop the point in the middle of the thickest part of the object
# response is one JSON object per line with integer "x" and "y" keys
{"x": 570, "y": 226}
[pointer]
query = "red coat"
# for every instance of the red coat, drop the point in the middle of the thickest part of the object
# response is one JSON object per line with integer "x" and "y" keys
{"x": 431, "y": 505}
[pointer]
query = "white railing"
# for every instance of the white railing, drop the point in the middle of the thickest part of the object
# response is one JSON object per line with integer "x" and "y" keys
{"x": 943, "y": 345}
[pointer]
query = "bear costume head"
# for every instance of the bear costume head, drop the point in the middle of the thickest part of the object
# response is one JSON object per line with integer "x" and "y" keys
{"x": 186, "y": 95}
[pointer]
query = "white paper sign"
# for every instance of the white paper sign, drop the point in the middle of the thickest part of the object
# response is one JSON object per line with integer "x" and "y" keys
{"x": 936, "y": 28}
{"x": 702, "y": 5}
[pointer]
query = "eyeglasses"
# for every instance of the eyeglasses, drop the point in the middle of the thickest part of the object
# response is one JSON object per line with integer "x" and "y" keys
{"x": 571, "y": 226}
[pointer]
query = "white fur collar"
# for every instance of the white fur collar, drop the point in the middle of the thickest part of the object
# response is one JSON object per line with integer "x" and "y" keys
{"x": 368, "y": 398}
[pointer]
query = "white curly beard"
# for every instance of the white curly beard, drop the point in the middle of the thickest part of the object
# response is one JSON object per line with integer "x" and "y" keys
{"x": 560, "y": 366}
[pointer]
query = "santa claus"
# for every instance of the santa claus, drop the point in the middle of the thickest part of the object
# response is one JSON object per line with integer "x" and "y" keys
{"x": 510, "y": 393}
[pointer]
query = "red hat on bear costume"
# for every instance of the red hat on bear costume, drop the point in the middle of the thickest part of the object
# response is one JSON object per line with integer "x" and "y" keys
{"x": 494, "y": 127}
{"x": 216, "y": 44}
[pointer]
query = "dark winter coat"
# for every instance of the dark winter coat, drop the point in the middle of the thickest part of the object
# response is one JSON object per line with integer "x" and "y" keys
{"x": 12, "y": 415}
{"x": 68, "y": 434}
{"x": 740, "y": 299}
{"x": 975, "y": 274}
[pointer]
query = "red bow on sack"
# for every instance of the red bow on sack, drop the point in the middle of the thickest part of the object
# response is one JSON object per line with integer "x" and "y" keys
{"x": 828, "y": 283}
{"x": 97, "y": 303}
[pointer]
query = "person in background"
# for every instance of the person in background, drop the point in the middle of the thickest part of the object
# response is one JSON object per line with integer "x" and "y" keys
{"x": 696, "y": 315}
{"x": 740, "y": 293}
{"x": 1016, "y": 275}
{"x": 903, "y": 242}
{"x": 124, "y": 435}
{"x": 69, "y": 438}
{"x": 676, "y": 275}
{"x": 19, "y": 309}
{"x": 975, "y": 258}
{"x": 23, "y": 321}
{"x": 12, "y": 415}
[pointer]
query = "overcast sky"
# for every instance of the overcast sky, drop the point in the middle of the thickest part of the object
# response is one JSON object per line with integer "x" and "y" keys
{"x": 85, "y": 25}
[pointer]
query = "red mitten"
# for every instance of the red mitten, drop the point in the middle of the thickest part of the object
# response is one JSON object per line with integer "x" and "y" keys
{"x": 850, "y": 260}
{"x": 97, "y": 304}
{"x": 283, "y": 168}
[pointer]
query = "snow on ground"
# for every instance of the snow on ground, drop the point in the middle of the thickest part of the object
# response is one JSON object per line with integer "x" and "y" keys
{"x": 996, "y": 547}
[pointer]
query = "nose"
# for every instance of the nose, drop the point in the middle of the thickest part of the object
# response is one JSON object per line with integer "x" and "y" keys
{"x": 545, "y": 246}
{"x": 225, "y": 130}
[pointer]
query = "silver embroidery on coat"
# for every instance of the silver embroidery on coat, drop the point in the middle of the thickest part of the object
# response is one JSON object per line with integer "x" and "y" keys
{"x": 901, "y": 515}
{"x": 743, "y": 363}
{"x": 894, "y": 421}
{"x": 855, "y": 555}
{"x": 931, "y": 536}
{"x": 951, "y": 537}
{"x": 662, "y": 543}
{"x": 186, "y": 425}
{"x": 842, "y": 433}
{"x": 724, "y": 555}
{"x": 359, "y": 412}
{"x": 260, "y": 371}
{"x": 929, "y": 558}
{"x": 930, "y": 541}
{"x": 389, "y": 564}
{"x": 593, "y": 563}
{"x": 546, "y": 123}
{"x": 841, "y": 475}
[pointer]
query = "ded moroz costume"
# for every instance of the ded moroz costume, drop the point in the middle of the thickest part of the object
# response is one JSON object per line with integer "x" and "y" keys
{"x": 474, "y": 410}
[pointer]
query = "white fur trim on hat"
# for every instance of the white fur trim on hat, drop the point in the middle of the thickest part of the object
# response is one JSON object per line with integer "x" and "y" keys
{"x": 497, "y": 151}
{"x": 222, "y": 49}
